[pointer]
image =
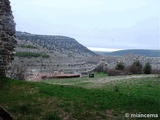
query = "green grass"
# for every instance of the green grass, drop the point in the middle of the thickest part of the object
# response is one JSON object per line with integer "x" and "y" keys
{"x": 31, "y": 54}
{"x": 75, "y": 80}
{"x": 38, "y": 100}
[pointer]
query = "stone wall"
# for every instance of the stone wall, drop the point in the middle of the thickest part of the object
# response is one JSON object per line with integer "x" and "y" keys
{"x": 7, "y": 36}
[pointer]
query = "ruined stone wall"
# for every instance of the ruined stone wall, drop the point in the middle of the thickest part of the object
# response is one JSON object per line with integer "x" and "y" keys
{"x": 7, "y": 36}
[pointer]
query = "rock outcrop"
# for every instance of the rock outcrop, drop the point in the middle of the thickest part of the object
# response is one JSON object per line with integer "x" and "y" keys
{"x": 7, "y": 36}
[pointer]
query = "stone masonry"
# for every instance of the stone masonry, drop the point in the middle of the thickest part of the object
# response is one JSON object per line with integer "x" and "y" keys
{"x": 7, "y": 36}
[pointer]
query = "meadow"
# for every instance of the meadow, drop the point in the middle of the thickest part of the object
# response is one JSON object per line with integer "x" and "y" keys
{"x": 72, "y": 99}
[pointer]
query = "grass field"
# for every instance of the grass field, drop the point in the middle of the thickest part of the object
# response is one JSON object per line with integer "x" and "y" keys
{"x": 38, "y": 100}
{"x": 73, "y": 81}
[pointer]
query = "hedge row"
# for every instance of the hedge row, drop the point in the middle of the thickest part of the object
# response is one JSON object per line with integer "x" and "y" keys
{"x": 31, "y": 54}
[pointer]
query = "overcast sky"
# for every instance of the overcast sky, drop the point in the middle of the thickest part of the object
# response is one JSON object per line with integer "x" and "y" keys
{"x": 110, "y": 24}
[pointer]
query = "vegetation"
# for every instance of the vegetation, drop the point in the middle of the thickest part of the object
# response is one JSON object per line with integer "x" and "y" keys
{"x": 45, "y": 56}
{"x": 147, "y": 68}
{"x": 35, "y": 100}
{"x": 136, "y": 68}
{"x": 28, "y": 46}
{"x": 31, "y": 54}
{"x": 120, "y": 66}
{"x": 114, "y": 72}
{"x": 100, "y": 68}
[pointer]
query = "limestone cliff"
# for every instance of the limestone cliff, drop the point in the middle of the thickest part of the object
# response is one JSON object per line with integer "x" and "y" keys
{"x": 7, "y": 38}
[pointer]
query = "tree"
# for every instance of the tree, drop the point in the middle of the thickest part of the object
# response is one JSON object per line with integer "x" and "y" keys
{"x": 147, "y": 68}
{"x": 120, "y": 66}
{"x": 136, "y": 68}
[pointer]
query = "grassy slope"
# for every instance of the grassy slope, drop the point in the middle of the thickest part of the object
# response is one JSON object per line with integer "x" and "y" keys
{"x": 28, "y": 100}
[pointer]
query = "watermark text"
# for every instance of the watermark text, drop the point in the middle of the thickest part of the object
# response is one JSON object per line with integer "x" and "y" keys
{"x": 141, "y": 115}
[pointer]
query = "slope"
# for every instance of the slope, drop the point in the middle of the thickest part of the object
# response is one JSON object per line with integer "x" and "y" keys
{"x": 62, "y": 44}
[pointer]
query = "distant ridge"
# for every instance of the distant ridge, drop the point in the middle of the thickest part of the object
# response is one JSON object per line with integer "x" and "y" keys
{"x": 148, "y": 53}
{"x": 61, "y": 44}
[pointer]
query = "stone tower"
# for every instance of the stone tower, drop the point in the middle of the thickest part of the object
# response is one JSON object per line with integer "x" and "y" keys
{"x": 7, "y": 36}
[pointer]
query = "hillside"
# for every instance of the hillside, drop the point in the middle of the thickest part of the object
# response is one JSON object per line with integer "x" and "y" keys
{"x": 61, "y": 44}
{"x": 43, "y": 54}
{"x": 148, "y": 53}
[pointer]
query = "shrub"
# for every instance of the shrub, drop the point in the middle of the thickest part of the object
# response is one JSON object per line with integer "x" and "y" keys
{"x": 127, "y": 70}
{"x": 45, "y": 56}
{"x": 113, "y": 72}
{"x": 27, "y": 54}
{"x": 136, "y": 68}
{"x": 101, "y": 68}
{"x": 147, "y": 68}
{"x": 155, "y": 71}
{"x": 120, "y": 66}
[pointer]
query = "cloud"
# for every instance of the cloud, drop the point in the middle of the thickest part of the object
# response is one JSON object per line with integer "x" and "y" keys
{"x": 94, "y": 23}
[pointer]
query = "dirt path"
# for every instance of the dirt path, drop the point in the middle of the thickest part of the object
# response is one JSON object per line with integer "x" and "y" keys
{"x": 108, "y": 79}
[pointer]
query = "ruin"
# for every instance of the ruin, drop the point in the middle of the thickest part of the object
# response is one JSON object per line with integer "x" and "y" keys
{"x": 7, "y": 37}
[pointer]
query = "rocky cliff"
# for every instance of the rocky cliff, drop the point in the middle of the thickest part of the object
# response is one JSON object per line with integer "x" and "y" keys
{"x": 7, "y": 38}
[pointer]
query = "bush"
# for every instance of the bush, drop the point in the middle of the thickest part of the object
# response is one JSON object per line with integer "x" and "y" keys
{"x": 136, "y": 68}
{"x": 120, "y": 66}
{"x": 45, "y": 56}
{"x": 113, "y": 72}
{"x": 155, "y": 71}
{"x": 100, "y": 68}
{"x": 27, "y": 54}
{"x": 147, "y": 68}
{"x": 127, "y": 70}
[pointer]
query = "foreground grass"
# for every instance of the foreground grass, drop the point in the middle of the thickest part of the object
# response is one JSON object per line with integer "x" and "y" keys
{"x": 28, "y": 100}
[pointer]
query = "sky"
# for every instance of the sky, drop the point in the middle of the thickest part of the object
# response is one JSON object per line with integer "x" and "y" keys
{"x": 103, "y": 25}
